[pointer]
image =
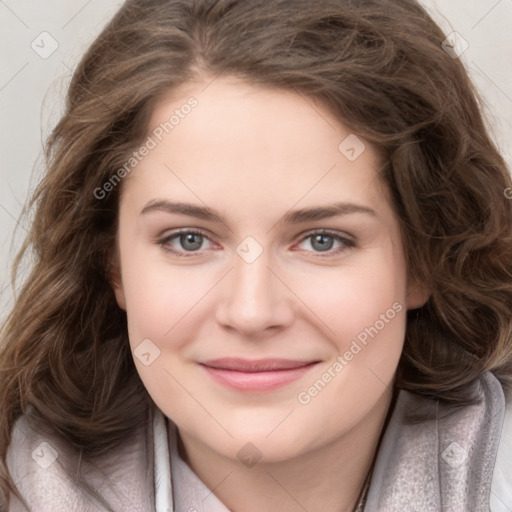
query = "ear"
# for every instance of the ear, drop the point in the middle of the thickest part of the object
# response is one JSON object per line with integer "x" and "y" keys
{"x": 417, "y": 294}
{"x": 115, "y": 280}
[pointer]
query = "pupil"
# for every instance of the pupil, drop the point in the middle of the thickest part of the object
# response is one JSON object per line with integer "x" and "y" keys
{"x": 321, "y": 240}
{"x": 189, "y": 239}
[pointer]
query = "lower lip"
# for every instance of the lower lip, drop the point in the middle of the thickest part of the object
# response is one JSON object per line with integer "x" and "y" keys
{"x": 257, "y": 381}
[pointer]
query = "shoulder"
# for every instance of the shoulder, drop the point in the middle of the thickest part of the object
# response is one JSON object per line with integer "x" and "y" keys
{"x": 501, "y": 495}
{"x": 433, "y": 453}
{"x": 52, "y": 476}
{"x": 34, "y": 465}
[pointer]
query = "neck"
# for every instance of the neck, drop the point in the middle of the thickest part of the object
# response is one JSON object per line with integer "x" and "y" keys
{"x": 329, "y": 478}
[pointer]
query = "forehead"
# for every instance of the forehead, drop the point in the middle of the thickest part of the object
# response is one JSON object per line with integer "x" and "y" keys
{"x": 267, "y": 146}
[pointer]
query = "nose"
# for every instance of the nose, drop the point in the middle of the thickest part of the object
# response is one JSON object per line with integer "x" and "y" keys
{"x": 255, "y": 298}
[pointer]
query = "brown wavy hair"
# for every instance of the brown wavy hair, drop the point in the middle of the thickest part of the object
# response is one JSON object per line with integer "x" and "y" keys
{"x": 379, "y": 66}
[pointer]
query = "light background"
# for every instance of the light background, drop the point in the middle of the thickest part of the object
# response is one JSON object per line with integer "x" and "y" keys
{"x": 32, "y": 88}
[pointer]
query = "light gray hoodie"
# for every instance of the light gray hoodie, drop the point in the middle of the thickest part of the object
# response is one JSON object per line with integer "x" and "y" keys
{"x": 452, "y": 461}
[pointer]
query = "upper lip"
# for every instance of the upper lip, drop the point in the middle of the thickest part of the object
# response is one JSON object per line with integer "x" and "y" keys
{"x": 255, "y": 365}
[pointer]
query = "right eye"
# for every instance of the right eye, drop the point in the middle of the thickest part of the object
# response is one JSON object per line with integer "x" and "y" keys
{"x": 189, "y": 240}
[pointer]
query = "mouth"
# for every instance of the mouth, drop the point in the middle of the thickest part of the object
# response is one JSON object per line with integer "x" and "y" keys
{"x": 256, "y": 375}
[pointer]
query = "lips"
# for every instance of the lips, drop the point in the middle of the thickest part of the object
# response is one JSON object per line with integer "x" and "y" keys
{"x": 256, "y": 375}
{"x": 251, "y": 366}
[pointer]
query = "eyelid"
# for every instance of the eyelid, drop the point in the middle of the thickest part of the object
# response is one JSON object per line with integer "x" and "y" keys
{"x": 180, "y": 231}
{"x": 325, "y": 231}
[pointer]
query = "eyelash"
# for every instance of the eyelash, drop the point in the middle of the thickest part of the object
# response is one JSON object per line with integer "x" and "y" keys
{"x": 347, "y": 242}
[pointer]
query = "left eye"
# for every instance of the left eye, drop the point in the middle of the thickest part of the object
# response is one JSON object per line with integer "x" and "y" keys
{"x": 324, "y": 241}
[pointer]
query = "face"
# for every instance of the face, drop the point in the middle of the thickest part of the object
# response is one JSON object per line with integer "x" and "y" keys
{"x": 262, "y": 271}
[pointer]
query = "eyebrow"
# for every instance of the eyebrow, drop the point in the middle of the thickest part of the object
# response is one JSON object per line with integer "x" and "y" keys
{"x": 291, "y": 217}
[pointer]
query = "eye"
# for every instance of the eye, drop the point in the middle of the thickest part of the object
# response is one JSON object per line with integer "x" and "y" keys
{"x": 323, "y": 241}
{"x": 187, "y": 240}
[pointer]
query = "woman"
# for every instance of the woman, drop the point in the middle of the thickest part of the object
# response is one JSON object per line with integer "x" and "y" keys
{"x": 338, "y": 334}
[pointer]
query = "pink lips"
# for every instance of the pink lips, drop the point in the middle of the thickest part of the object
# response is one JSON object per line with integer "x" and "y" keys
{"x": 256, "y": 375}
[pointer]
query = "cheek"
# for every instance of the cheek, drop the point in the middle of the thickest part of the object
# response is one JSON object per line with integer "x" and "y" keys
{"x": 157, "y": 299}
{"x": 158, "y": 294}
{"x": 162, "y": 303}
{"x": 365, "y": 311}
{"x": 348, "y": 300}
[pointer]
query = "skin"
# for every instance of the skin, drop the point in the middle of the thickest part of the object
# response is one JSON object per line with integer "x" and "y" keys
{"x": 253, "y": 154}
